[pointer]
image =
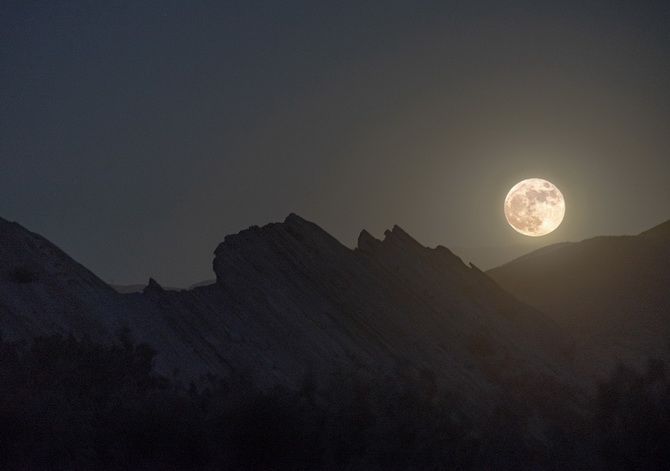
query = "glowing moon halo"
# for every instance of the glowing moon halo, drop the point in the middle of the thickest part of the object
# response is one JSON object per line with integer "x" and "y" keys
{"x": 534, "y": 207}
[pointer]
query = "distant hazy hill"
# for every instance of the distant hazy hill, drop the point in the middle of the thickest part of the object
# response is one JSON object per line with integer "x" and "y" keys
{"x": 487, "y": 257}
{"x": 290, "y": 302}
{"x": 613, "y": 293}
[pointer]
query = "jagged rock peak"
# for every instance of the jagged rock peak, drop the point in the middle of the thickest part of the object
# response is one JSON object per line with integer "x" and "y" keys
{"x": 297, "y": 227}
{"x": 366, "y": 242}
{"x": 294, "y": 219}
{"x": 399, "y": 237}
{"x": 275, "y": 244}
{"x": 397, "y": 240}
{"x": 153, "y": 287}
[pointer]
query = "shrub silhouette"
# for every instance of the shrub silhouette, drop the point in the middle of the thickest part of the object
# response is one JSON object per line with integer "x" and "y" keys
{"x": 22, "y": 275}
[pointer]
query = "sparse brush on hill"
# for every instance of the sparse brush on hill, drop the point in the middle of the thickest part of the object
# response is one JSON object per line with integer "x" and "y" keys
{"x": 75, "y": 404}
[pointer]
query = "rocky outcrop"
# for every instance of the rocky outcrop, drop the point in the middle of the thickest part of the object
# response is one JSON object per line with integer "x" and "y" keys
{"x": 291, "y": 302}
{"x": 393, "y": 300}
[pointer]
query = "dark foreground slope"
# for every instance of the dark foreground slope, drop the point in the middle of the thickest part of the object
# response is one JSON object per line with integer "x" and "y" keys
{"x": 611, "y": 293}
{"x": 68, "y": 404}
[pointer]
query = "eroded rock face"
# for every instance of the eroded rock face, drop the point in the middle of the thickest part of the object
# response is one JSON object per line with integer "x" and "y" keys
{"x": 391, "y": 299}
{"x": 291, "y": 301}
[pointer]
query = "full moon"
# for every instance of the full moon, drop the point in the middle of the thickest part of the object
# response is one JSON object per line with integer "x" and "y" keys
{"x": 534, "y": 207}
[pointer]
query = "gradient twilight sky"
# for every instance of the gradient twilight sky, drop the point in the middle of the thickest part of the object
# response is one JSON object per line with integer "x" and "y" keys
{"x": 136, "y": 135}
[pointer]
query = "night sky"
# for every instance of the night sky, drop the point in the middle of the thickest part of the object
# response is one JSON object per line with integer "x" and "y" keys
{"x": 136, "y": 135}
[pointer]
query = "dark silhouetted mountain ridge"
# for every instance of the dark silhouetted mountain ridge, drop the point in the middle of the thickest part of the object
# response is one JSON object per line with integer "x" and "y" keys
{"x": 291, "y": 302}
